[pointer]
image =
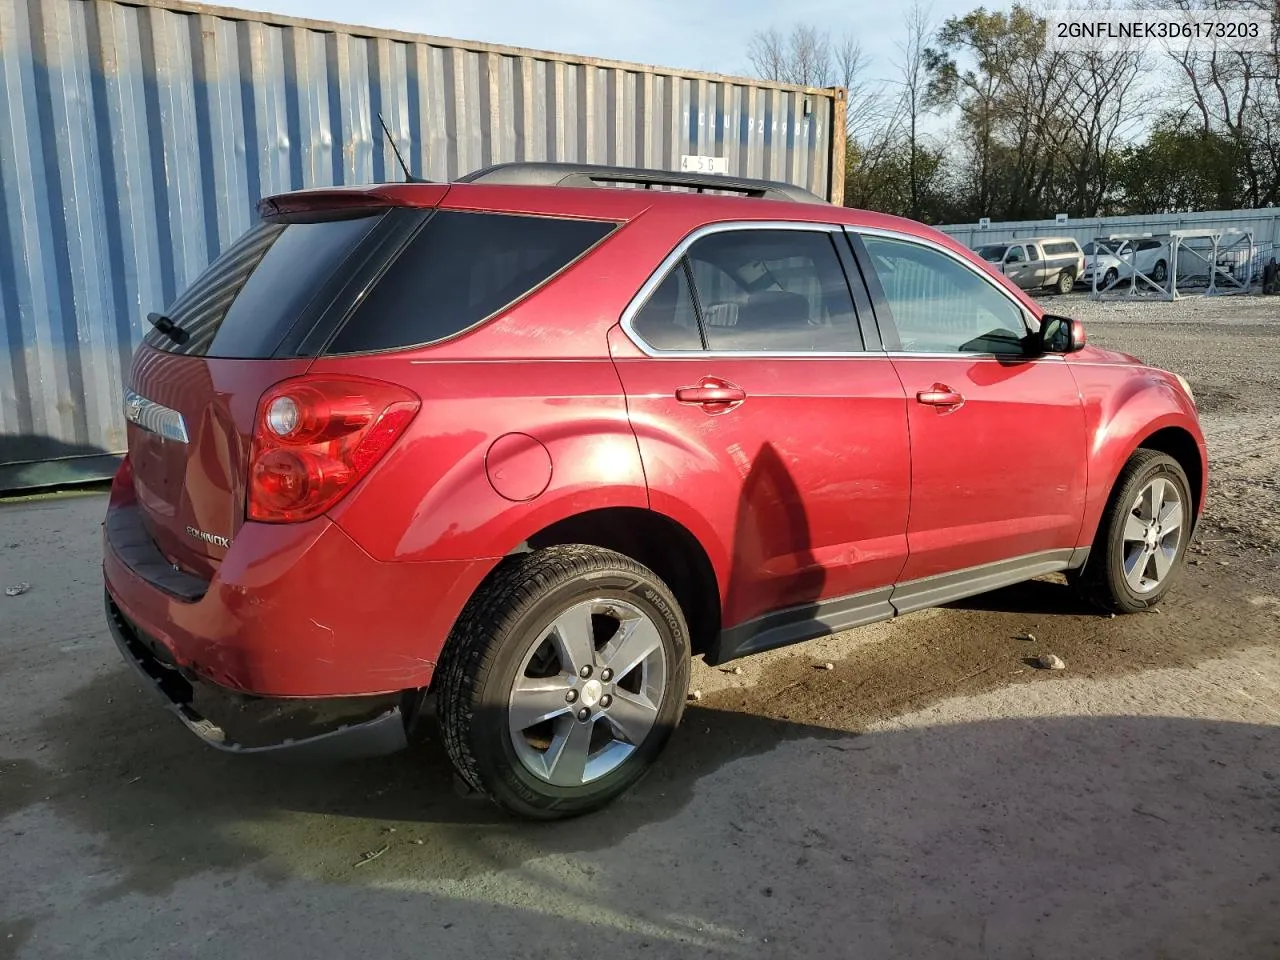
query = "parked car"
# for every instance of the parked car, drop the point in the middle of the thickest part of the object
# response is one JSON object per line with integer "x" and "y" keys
{"x": 1115, "y": 260}
{"x": 1040, "y": 262}
{"x": 508, "y": 452}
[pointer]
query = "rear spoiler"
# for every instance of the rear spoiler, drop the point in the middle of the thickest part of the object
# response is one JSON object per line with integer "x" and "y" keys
{"x": 322, "y": 204}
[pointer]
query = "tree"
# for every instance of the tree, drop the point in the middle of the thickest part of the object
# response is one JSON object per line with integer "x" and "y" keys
{"x": 1103, "y": 115}
{"x": 1038, "y": 131}
{"x": 1235, "y": 94}
{"x": 1180, "y": 169}
{"x": 913, "y": 102}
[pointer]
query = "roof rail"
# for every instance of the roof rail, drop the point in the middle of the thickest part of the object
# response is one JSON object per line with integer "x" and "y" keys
{"x": 590, "y": 175}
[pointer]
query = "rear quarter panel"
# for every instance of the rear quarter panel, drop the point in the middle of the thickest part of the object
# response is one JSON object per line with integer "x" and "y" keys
{"x": 436, "y": 495}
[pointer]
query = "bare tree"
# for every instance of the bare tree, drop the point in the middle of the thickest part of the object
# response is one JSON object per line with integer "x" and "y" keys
{"x": 1236, "y": 94}
{"x": 808, "y": 57}
{"x": 803, "y": 57}
{"x": 1101, "y": 106}
{"x": 913, "y": 102}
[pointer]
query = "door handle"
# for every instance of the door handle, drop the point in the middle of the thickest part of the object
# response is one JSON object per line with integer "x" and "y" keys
{"x": 940, "y": 395}
{"x": 710, "y": 391}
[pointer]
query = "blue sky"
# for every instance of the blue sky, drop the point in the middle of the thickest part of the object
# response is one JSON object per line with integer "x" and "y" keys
{"x": 708, "y": 35}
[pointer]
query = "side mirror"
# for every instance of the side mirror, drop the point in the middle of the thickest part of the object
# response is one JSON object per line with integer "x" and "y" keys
{"x": 1059, "y": 335}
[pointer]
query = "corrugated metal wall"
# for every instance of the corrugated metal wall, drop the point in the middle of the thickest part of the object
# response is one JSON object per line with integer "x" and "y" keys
{"x": 1264, "y": 223}
{"x": 136, "y": 139}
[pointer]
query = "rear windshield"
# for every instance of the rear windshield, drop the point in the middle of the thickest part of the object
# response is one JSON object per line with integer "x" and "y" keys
{"x": 460, "y": 269}
{"x": 993, "y": 252}
{"x": 249, "y": 298}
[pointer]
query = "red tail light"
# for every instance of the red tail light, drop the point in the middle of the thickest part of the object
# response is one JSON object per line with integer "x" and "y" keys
{"x": 315, "y": 438}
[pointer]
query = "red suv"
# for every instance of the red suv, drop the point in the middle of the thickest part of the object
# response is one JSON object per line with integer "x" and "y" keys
{"x": 509, "y": 450}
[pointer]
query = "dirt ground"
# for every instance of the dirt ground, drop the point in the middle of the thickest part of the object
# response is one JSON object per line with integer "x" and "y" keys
{"x": 930, "y": 796}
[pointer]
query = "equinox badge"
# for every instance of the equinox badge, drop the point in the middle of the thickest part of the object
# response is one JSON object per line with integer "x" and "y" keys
{"x": 213, "y": 538}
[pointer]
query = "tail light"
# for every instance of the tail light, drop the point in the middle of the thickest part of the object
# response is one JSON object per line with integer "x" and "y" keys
{"x": 316, "y": 438}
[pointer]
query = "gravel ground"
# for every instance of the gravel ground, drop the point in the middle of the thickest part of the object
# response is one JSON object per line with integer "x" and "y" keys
{"x": 931, "y": 795}
{"x": 1228, "y": 347}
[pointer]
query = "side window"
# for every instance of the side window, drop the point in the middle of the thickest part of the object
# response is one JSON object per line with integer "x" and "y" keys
{"x": 668, "y": 320}
{"x": 461, "y": 269}
{"x": 1032, "y": 252}
{"x": 1015, "y": 255}
{"x": 777, "y": 291}
{"x": 941, "y": 306}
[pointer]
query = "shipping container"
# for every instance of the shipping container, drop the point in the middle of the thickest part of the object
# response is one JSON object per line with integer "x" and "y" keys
{"x": 136, "y": 139}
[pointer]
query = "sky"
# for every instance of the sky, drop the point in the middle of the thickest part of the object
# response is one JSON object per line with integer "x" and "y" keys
{"x": 706, "y": 35}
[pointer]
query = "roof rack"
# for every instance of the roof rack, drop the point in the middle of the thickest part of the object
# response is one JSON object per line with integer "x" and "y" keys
{"x": 590, "y": 175}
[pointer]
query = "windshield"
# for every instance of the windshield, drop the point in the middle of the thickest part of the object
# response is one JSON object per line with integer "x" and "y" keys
{"x": 993, "y": 252}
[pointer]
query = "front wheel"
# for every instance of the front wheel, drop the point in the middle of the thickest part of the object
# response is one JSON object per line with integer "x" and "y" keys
{"x": 1109, "y": 278}
{"x": 562, "y": 680}
{"x": 1161, "y": 272}
{"x": 1066, "y": 283}
{"x": 1143, "y": 536}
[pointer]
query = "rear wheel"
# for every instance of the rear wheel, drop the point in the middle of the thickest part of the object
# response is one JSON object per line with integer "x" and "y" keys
{"x": 1109, "y": 278}
{"x": 1143, "y": 536}
{"x": 1065, "y": 282}
{"x": 1161, "y": 272}
{"x": 563, "y": 680}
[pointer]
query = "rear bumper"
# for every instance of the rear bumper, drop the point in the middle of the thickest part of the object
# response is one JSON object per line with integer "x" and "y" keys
{"x": 295, "y": 610}
{"x": 374, "y": 727}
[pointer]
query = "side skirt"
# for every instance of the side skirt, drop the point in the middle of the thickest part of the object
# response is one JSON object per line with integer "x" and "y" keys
{"x": 822, "y": 618}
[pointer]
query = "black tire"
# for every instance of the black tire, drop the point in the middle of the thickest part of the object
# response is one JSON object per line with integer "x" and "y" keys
{"x": 1109, "y": 277}
{"x": 1102, "y": 581}
{"x": 1066, "y": 282}
{"x": 1160, "y": 272}
{"x": 490, "y": 641}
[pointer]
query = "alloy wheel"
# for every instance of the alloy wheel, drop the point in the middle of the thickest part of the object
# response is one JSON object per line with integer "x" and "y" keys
{"x": 587, "y": 693}
{"x": 1152, "y": 535}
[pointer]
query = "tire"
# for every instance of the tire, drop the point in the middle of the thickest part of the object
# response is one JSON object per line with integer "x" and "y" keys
{"x": 519, "y": 627}
{"x": 1120, "y": 576}
{"x": 1066, "y": 282}
{"x": 1109, "y": 278}
{"x": 1160, "y": 272}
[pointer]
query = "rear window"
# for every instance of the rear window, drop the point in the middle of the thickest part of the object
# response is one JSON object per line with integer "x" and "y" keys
{"x": 1059, "y": 247}
{"x": 459, "y": 270}
{"x": 248, "y": 299}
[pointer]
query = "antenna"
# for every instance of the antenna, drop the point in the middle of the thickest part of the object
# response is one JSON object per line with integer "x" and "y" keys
{"x": 409, "y": 177}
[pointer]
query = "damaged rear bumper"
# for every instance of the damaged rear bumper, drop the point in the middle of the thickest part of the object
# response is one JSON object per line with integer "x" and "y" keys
{"x": 297, "y": 729}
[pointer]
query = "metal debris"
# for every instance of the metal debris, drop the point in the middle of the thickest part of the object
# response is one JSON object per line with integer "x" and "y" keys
{"x": 17, "y": 590}
{"x": 372, "y": 855}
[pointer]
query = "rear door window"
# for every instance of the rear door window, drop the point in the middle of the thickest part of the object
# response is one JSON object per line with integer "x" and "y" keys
{"x": 669, "y": 319}
{"x": 248, "y": 299}
{"x": 459, "y": 270}
{"x": 773, "y": 291}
